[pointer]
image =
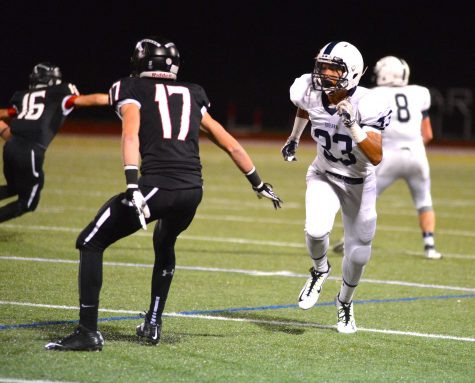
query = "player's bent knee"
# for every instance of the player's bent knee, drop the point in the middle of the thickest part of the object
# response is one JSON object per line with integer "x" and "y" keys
{"x": 359, "y": 255}
{"x": 316, "y": 233}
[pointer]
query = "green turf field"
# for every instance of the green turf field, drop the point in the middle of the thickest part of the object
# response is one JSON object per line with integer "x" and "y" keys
{"x": 232, "y": 313}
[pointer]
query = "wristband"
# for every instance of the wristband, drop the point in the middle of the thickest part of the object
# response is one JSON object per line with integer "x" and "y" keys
{"x": 11, "y": 112}
{"x": 131, "y": 175}
{"x": 357, "y": 134}
{"x": 70, "y": 102}
{"x": 254, "y": 178}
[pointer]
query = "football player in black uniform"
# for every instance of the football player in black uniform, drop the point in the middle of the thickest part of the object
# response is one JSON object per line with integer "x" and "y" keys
{"x": 39, "y": 113}
{"x": 161, "y": 121}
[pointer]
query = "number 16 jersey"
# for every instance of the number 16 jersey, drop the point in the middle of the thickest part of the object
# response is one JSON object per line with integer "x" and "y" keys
{"x": 336, "y": 151}
{"x": 170, "y": 118}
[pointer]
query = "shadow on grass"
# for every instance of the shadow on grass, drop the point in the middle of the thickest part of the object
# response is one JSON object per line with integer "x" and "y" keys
{"x": 276, "y": 324}
{"x": 112, "y": 333}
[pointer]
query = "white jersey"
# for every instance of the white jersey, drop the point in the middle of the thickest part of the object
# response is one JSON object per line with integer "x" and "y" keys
{"x": 410, "y": 104}
{"x": 336, "y": 151}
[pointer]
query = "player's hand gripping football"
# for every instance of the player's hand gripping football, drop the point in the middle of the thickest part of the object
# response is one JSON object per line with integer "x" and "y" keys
{"x": 265, "y": 190}
{"x": 137, "y": 201}
{"x": 345, "y": 111}
{"x": 289, "y": 149}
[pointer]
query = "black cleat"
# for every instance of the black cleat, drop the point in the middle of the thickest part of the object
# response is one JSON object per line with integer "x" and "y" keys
{"x": 149, "y": 331}
{"x": 81, "y": 339}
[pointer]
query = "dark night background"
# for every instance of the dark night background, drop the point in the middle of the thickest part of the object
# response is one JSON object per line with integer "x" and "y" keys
{"x": 247, "y": 53}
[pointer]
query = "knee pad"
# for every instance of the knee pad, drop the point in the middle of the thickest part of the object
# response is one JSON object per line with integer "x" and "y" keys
{"x": 317, "y": 247}
{"x": 358, "y": 255}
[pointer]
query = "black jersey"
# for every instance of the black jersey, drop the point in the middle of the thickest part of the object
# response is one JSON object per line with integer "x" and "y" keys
{"x": 170, "y": 117}
{"x": 41, "y": 112}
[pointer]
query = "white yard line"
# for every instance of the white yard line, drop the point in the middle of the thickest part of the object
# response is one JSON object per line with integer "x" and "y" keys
{"x": 11, "y": 380}
{"x": 460, "y": 233}
{"x": 257, "y": 321}
{"x": 259, "y": 273}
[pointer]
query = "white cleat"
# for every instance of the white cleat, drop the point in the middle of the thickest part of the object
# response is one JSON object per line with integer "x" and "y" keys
{"x": 346, "y": 319}
{"x": 313, "y": 287}
{"x": 433, "y": 254}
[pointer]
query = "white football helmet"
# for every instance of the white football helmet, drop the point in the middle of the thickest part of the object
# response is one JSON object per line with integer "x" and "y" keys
{"x": 391, "y": 71}
{"x": 345, "y": 58}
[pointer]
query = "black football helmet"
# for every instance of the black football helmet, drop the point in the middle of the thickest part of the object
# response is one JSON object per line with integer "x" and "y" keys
{"x": 155, "y": 57}
{"x": 45, "y": 74}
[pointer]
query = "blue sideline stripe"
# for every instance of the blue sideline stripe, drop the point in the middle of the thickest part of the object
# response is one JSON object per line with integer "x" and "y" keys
{"x": 240, "y": 309}
{"x": 332, "y": 303}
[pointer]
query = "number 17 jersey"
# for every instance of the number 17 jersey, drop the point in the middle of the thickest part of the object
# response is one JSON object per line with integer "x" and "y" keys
{"x": 170, "y": 118}
{"x": 336, "y": 151}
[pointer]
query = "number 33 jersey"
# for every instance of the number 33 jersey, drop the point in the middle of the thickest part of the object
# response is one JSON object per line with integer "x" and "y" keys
{"x": 336, "y": 151}
{"x": 170, "y": 118}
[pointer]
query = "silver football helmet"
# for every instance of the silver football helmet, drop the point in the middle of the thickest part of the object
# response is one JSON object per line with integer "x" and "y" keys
{"x": 391, "y": 71}
{"x": 343, "y": 57}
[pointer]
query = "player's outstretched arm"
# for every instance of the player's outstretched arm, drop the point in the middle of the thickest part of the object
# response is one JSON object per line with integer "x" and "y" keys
{"x": 94, "y": 99}
{"x": 216, "y": 133}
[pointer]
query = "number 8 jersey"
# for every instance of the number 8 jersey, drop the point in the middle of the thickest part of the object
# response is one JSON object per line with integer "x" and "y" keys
{"x": 336, "y": 151}
{"x": 410, "y": 104}
{"x": 170, "y": 118}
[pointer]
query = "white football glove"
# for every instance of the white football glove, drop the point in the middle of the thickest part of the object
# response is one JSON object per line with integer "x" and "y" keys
{"x": 265, "y": 190}
{"x": 345, "y": 111}
{"x": 136, "y": 199}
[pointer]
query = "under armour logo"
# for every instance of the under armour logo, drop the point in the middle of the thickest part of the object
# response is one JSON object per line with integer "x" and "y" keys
{"x": 165, "y": 272}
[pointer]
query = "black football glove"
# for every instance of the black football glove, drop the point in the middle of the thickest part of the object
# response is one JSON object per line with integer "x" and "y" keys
{"x": 289, "y": 149}
{"x": 265, "y": 190}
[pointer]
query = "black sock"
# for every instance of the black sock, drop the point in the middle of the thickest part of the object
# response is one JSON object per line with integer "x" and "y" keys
{"x": 161, "y": 282}
{"x": 90, "y": 283}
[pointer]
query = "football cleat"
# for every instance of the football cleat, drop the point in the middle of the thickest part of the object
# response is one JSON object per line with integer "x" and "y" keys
{"x": 82, "y": 339}
{"x": 149, "y": 331}
{"x": 313, "y": 287}
{"x": 432, "y": 254}
{"x": 346, "y": 319}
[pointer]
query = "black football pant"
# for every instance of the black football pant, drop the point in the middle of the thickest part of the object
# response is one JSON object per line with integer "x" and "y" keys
{"x": 172, "y": 209}
{"x": 23, "y": 170}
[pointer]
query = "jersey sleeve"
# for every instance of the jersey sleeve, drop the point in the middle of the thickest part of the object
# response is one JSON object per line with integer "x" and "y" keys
{"x": 374, "y": 111}
{"x": 16, "y": 101}
{"x": 71, "y": 93}
{"x": 299, "y": 90}
{"x": 123, "y": 92}
{"x": 425, "y": 99}
{"x": 202, "y": 99}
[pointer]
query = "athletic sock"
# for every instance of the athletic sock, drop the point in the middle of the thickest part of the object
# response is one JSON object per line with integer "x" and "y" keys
{"x": 346, "y": 293}
{"x": 90, "y": 283}
{"x": 429, "y": 242}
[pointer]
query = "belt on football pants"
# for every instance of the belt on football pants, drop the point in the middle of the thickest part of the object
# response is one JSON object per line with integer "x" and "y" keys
{"x": 348, "y": 180}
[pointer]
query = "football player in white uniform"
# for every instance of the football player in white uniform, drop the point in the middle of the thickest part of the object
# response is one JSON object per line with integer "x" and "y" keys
{"x": 404, "y": 143}
{"x": 346, "y": 123}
